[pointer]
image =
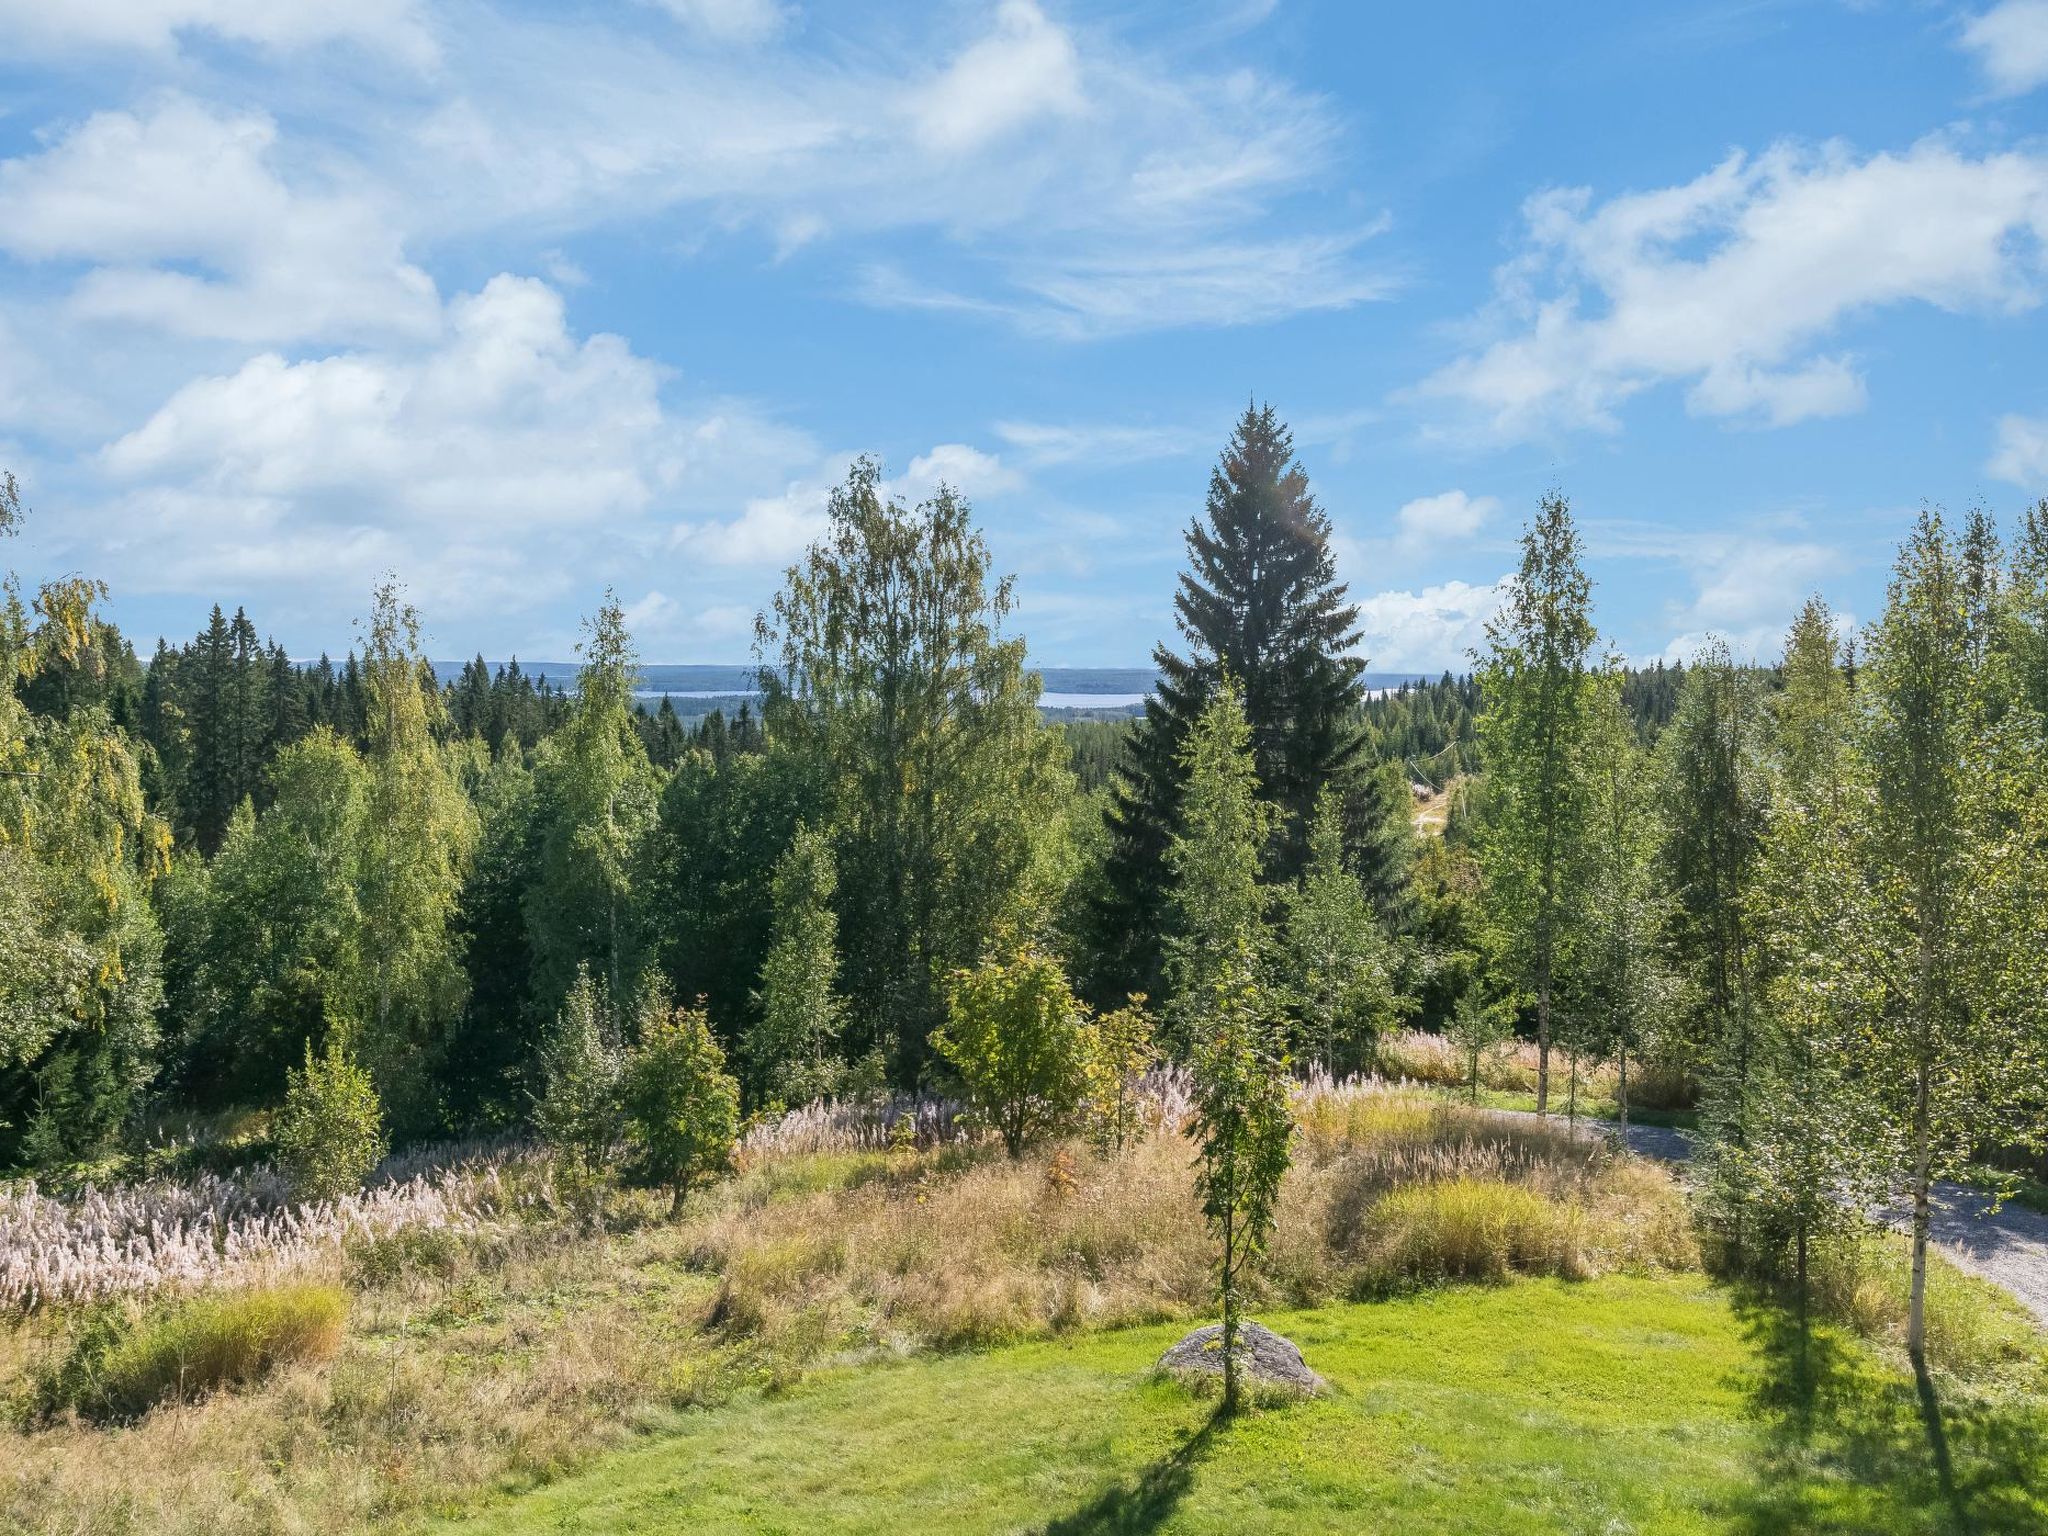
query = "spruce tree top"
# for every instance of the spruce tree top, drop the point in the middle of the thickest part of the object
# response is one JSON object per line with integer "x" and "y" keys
{"x": 1261, "y": 600}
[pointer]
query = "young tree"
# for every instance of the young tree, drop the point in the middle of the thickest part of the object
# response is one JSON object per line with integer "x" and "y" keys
{"x": 578, "y": 1113}
{"x": 1021, "y": 1046}
{"x": 1260, "y": 603}
{"x": 1619, "y": 986}
{"x": 799, "y": 1008}
{"x": 887, "y": 673}
{"x": 1538, "y": 693}
{"x": 1813, "y": 1152}
{"x": 1244, "y": 1132}
{"x": 1938, "y": 909}
{"x": 1126, "y": 1048}
{"x": 1716, "y": 803}
{"x": 80, "y": 950}
{"x": 1217, "y": 903}
{"x": 1475, "y": 1031}
{"x": 419, "y": 832}
{"x": 330, "y": 1132}
{"x": 681, "y": 1105}
{"x": 1340, "y": 964}
{"x": 597, "y": 797}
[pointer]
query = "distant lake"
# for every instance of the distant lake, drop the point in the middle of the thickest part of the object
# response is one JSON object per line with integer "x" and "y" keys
{"x": 1106, "y": 688}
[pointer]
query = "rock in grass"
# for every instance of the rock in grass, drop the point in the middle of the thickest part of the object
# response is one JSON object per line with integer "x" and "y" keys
{"x": 1263, "y": 1356}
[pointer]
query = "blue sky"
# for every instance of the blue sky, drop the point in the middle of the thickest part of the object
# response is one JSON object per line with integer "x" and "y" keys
{"x": 524, "y": 301}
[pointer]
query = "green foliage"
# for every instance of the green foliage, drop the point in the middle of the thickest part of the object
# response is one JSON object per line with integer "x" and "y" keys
{"x": 1476, "y": 1031}
{"x": 578, "y": 1114}
{"x": 888, "y": 674}
{"x": 1126, "y": 1047}
{"x": 1339, "y": 962}
{"x": 80, "y": 949}
{"x": 800, "y": 1011}
{"x": 330, "y": 1131}
{"x": 267, "y": 941}
{"x": 419, "y": 833}
{"x": 122, "y": 1361}
{"x": 1715, "y": 807}
{"x": 1260, "y": 604}
{"x": 1020, "y": 1045}
{"x": 681, "y": 1106}
{"x": 1539, "y": 696}
{"x": 597, "y": 796}
{"x": 1244, "y": 1132}
{"x": 1218, "y": 904}
{"x": 1620, "y": 991}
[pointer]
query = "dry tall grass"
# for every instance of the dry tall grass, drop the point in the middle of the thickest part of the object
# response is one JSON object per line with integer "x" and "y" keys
{"x": 1414, "y": 1056}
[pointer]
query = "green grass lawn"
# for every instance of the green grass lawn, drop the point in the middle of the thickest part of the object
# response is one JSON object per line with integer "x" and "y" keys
{"x": 1623, "y": 1405}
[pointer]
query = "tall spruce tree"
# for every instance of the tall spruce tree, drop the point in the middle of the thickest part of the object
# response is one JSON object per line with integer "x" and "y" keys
{"x": 1260, "y": 602}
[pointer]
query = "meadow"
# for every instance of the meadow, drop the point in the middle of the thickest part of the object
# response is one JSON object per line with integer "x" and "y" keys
{"x": 1515, "y": 1321}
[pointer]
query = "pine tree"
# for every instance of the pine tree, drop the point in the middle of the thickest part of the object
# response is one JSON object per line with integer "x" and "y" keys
{"x": 1261, "y": 603}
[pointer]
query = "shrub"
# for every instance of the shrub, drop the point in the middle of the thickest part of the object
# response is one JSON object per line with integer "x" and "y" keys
{"x": 330, "y": 1133}
{"x": 577, "y": 1114}
{"x": 1125, "y": 1049}
{"x": 1464, "y": 1229}
{"x": 1020, "y": 1044}
{"x": 123, "y": 1361}
{"x": 682, "y": 1106}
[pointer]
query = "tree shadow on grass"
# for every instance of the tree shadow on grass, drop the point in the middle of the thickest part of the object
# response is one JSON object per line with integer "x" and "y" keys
{"x": 1852, "y": 1446}
{"x": 1144, "y": 1502}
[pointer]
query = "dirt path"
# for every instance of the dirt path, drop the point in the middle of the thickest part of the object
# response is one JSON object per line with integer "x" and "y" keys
{"x": 2008, "y": 1247}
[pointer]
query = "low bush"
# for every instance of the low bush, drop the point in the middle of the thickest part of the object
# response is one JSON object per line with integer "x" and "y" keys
{"x": 1416, "y": 1056}
{"x": 1466, "y": 1229}
{"x": 122, "y": 1361}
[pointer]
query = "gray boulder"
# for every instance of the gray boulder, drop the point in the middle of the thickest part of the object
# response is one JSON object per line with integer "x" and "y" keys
{"x": 1263, "y": 1357}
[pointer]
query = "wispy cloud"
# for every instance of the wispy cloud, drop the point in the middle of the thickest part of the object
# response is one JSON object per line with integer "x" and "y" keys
{"x": 2010, "y": 42}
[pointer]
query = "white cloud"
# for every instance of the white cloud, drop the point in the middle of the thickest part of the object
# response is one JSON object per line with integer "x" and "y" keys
{"x": 396, "y": 28}
{"x": 2022, "y": 452}
{"x": 1727, "y": 282}
{"x": 775, "y": 530}
{"x": 493, "y": 468}
{"x": 143, "y": 199}
{"x": 1090, "y": 186}
{"x": 1424, "y": 631}
{"x": 733, "y": 21}
{"x": 1429, "y": 521}
{"x": 967, "y": 470}
{"x": 2011, "y": 44}
{"x": 1026, "y": 69}
{"x": 1056, "y": 443}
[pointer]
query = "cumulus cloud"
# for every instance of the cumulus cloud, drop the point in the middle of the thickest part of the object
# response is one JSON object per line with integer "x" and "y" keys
{"x": 1026, "y": 69}
{"x": 491, "y": 468}
{"x": 1449, "y": 515}
{"x": 144, "y": 198}
{"x": 2010, "y": 42}
{"x": 1425, "y": 631}
{"x": 775, "y": 530}
{"x": 1730, "y": 283}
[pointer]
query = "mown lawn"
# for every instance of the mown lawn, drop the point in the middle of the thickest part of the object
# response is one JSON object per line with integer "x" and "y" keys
{"x": 1621, "y": 1405}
